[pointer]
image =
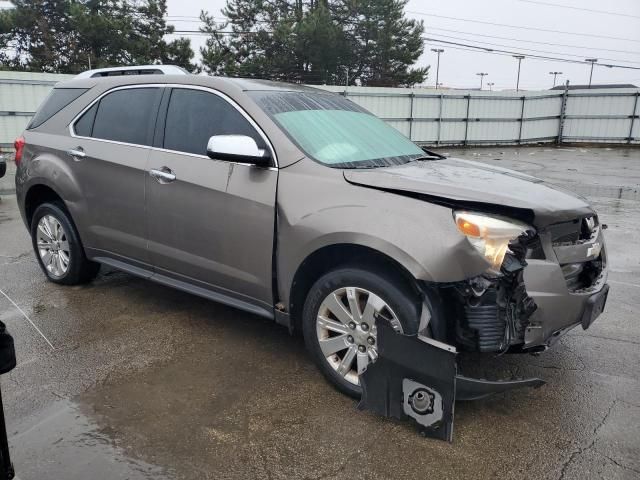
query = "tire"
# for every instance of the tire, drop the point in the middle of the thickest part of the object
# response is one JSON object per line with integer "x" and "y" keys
{"x": 402, "y": 310}
{"x": 62, "y": 257}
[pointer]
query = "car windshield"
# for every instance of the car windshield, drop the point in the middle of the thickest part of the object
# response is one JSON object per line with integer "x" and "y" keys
{"x": 335, "y": 131}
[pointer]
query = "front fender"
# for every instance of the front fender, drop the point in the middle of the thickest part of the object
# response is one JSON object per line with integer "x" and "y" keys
{"x": 318, "y": 208}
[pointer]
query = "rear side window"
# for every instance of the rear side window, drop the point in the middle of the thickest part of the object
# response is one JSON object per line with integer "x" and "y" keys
{"x": 124, "y": 116}
{"x": 193, "y": 116}
{"x": 57, "y": 99}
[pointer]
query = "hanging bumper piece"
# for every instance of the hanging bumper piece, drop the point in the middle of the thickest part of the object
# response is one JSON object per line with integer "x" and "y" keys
{"x": 416, "y": 377}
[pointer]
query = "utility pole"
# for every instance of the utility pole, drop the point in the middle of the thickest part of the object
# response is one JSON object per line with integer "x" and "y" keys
{"x": 491, "y": 84}
{"x": 519, "y": 58}
{"x": 555, "y": 74}
{"x": 482, "y": 75}
{"x": 592, "y": 61}
{"x": 438, "y": 51}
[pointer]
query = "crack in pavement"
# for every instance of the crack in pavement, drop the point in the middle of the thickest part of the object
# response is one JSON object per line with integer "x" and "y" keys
{"x": 581, "y": 450}
{"x": 625, "y": 467}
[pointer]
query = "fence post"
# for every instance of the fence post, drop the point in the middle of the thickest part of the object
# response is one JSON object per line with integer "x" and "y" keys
{"x": 563, "y": 109}
{"x": 413, "y": 95}
{"x": 633, "y": 117}
{"x": 466, "y": 120}
{"x": 439, "y": 119}
{"x": 521, "y": 120}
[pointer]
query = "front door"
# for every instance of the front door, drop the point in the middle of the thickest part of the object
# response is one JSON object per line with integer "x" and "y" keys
{"x": 211, "y": 222}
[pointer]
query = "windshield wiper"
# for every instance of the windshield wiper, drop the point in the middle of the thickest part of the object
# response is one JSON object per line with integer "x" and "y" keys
{"x": 429, "y": 156}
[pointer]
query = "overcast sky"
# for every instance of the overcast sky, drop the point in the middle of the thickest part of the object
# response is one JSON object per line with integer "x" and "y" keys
{"x": 526, "y": 26}
{"x": 458, "y": 67}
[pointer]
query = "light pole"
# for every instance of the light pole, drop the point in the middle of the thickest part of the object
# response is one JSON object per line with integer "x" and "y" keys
{"x": 438, "y": 51}
{"x": 591, "y": 61}
{"x": 491, "y": 84}
{"x": 519, "y": 58}
{"x": 555, "y": 74}
{"x": 481, "y": 74}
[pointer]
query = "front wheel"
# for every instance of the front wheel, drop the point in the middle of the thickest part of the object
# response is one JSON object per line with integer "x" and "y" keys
{"x": 340, "y": 318}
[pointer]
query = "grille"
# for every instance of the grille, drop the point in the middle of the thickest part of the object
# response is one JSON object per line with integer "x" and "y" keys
{"x": 574, "y": 231}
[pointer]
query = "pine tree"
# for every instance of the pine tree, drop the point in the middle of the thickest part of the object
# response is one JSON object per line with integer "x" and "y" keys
{"x": 42, "y": 38}
{"x": 150, "y": 29}
{"x": 6, "y": 45}
{"x": 316, "y": 41}
{"x": 68, "y": 36}
{"x": 106, "y": 34}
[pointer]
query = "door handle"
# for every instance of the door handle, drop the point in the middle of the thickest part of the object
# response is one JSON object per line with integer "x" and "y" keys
{"x": 76, "y": 153}
{"x": 164, "y": 175}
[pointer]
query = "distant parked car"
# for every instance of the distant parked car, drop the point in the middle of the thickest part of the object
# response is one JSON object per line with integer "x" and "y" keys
{"x": 298, "y": 205}
{"x": 3, "y": 166}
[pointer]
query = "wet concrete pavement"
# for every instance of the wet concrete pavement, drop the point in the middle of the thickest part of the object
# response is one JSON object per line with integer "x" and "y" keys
{"x": 147, "y": 382}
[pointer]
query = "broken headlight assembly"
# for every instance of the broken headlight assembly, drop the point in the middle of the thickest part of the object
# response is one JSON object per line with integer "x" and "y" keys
{"x": 489, "y": 234}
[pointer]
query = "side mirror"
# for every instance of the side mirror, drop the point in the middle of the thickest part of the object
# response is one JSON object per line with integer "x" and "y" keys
{"x": 237, "y": 148}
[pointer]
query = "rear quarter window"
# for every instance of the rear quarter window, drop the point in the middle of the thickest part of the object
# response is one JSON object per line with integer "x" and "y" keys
{"x": 84, "y": 126}
{"x": 57, "y": 99}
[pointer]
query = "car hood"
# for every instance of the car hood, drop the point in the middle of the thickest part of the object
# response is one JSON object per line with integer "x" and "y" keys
{"x": 468, "y": 183}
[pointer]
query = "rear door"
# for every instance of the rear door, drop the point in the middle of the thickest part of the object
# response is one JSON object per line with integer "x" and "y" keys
{"x": 110, "y": 146}
{"x": 211, "y": 222}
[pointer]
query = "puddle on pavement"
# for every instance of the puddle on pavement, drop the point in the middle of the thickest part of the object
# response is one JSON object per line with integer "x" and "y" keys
{"x": 62, "y": 443}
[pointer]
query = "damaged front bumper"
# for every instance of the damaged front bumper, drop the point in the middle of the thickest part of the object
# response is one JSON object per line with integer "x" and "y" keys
{"x": 569, "y": 285}
{"x": 550, "y": 282}
{"x": 398, "y": 385}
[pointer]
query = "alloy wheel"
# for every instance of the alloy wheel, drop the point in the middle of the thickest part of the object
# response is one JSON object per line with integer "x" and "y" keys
{"x": 53, "y": 246}
{"x": 346, "y": 329}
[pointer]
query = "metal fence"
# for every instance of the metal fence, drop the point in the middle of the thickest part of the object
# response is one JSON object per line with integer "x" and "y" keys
{"x": 427, "y": 116}
{"x": 20, "y": 95}
{"x": 448, "y": 117}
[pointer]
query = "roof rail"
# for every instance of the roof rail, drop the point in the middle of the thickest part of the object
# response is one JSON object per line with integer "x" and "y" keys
{"x": 133, "y": 70}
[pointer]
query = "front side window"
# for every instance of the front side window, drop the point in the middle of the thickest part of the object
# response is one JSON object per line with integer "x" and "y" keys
{"x": 335, "y": 131}
{"x": 193, "y": 116}
{"x": 126, "y": 116}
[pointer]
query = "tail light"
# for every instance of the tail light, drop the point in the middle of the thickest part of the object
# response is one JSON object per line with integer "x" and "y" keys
{"x": 19, "y": 146}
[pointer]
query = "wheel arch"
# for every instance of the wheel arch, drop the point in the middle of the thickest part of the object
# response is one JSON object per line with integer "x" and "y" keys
{"x": 38, "y": 194}
{"x": 331, "y": 257}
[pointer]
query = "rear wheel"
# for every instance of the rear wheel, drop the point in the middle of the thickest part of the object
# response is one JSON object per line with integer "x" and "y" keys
{"x": 58, "y": 248}
{"x": 340, "y": 319}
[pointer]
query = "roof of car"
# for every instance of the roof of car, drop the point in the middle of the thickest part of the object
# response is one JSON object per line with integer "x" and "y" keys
{"x": 222, "y": 83}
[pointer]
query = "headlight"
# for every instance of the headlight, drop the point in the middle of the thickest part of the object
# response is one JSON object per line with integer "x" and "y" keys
{"x": 489, "y": 234}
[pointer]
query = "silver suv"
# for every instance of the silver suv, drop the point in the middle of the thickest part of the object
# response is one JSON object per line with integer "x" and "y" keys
{"x": 296, "y": 204}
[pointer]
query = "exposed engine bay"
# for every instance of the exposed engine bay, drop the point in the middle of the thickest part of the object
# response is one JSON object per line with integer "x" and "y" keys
{"x": 492, "y": 313}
